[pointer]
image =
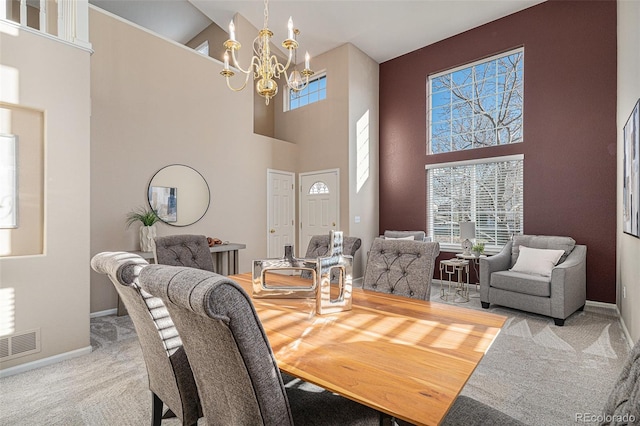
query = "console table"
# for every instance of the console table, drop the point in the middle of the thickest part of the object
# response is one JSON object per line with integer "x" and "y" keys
{"x": 225, "y": 262}
{"x": 225, "y": 257}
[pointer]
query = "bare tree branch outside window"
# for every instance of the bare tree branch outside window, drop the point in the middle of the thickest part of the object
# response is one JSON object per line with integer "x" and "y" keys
{"x": 477, "y": 106}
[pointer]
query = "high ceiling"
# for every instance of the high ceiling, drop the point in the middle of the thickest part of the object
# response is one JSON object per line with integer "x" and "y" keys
{"x": 383, "y": 29}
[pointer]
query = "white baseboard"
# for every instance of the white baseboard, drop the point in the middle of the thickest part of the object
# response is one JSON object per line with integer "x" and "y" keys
{"x": 625, "y": 330}
{"x": 614, "y": 306}
{"x": 602, "y": 305}
{"x": 113, "y": 311}
{"x": 44, "y": 362}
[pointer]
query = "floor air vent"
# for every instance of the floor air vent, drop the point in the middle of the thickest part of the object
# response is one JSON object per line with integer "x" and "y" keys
{"x": 19, "y": 344}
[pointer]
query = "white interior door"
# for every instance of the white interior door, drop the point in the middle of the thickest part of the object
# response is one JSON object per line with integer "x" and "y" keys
{"x": 319, "y": 205}
{"x": 280, "y": 211}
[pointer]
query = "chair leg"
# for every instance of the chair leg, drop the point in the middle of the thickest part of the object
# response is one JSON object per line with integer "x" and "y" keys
{"x": 581, "y": 308}
{"x": 559, "y": 322}
{"x": 485, "y": 305}
{"x": 156, "y": 413}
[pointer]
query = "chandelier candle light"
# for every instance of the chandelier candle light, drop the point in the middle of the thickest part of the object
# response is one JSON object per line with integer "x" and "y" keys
{"x": 264, "y": 66}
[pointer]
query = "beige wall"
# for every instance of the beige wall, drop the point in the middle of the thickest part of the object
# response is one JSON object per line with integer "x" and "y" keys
{"x": 363, "y": 190}
{"x": 326, "y": 134}
{"x": 51, "y": 291}
{"x": 156, "y": 103}
{"x": 321, "y": 129}
{"x": 628, "y": 250}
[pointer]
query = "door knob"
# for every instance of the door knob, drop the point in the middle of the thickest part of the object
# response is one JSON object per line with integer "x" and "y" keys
{"x": 273, "y": 231}
{"x": 333, "y": 224}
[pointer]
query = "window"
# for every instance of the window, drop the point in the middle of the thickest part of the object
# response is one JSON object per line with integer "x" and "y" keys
{"x": 314, "y": 92}
{"x": 319, "y": 188}
{"x": 488, "y": 192}
{"x": 203, "y": 48}
{"x": 476, "y": 105}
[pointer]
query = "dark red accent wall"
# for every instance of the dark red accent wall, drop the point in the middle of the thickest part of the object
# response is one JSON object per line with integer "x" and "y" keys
{"x": 569, "y": 126}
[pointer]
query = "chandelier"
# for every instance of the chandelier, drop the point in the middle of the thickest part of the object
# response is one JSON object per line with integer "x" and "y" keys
{"x": 264, "y": 66}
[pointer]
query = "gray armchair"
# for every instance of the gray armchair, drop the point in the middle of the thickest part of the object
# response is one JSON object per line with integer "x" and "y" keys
{"x": 170, "y": 378}
{"x": 556, "y": 296}
{"x": 184, "y": 250}
{"x": 402, "y": 267}
{"x": 235, "y": 369}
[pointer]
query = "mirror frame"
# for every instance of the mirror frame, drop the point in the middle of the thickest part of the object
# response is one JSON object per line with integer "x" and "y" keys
{"x": 206, "y": 184}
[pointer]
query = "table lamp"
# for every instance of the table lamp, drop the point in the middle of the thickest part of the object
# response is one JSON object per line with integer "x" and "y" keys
{"x": 467, "y": 233}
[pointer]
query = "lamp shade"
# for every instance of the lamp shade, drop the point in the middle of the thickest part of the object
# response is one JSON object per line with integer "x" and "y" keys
{"x": 467, "y": 230}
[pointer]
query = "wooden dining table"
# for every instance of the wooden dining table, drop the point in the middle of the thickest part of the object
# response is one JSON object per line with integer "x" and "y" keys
{"x": 404, "y": 357}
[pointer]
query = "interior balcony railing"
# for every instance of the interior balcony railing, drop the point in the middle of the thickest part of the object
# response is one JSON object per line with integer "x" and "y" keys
{"x": 66, "y": 20}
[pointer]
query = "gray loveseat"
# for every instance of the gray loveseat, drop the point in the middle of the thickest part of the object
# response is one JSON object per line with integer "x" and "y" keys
{"x": 557, "y": 296}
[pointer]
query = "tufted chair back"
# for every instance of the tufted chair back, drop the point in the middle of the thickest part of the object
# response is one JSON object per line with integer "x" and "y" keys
{"x": 401, "y": 267}
{"x": 170, "y": 377}
{"x": 184, "y": 250}
{"x": 319, "y": 246}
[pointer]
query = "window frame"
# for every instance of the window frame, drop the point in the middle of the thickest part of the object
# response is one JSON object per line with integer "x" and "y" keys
{"x": 453, "y": 246}
{"x": 286, "y": 104}
{"x": 203, "y": 48}
{"x": 470, "y": 65}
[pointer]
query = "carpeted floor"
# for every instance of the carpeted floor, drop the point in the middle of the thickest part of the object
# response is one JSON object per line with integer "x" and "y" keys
{"x": 542, "y": 374}
{"x": 536, "y": 372}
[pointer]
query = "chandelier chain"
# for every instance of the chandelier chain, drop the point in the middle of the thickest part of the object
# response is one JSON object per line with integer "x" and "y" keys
{"x": 266, "y": 14}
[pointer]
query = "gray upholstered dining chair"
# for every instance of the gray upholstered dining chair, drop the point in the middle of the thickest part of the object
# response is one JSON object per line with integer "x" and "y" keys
{"x": 319, "y": 246}
{"x": 170, "y": 377}
{"x": 235, "y": 369}
{"x": 402, "y": 267}
{"x": 184, "y": 250}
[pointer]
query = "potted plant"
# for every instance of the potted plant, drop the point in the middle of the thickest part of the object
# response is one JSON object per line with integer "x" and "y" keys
{"x": 148, "y": 219}
{"x": 478, "y": 248}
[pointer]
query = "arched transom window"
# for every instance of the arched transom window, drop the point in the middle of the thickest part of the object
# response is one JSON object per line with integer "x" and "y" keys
{"x": 319, "y": 188}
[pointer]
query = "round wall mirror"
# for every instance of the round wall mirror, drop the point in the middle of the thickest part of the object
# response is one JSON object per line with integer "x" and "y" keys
{"x": 179, "y": 195}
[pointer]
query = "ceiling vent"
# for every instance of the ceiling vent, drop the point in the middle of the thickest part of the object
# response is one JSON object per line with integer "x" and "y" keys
{"x": 19, "y": 344}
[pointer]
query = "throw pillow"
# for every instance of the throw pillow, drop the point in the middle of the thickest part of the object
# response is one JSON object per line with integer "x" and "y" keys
{"x": 400, "y": 238}
{"x": 537, "y": 261}
{"x": 417, "y": 235}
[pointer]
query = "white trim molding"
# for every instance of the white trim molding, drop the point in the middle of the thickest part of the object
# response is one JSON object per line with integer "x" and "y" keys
{"x": 514, "y": 157}
{"x": 113, "y": 311}
{"x": 44, "y": 362}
